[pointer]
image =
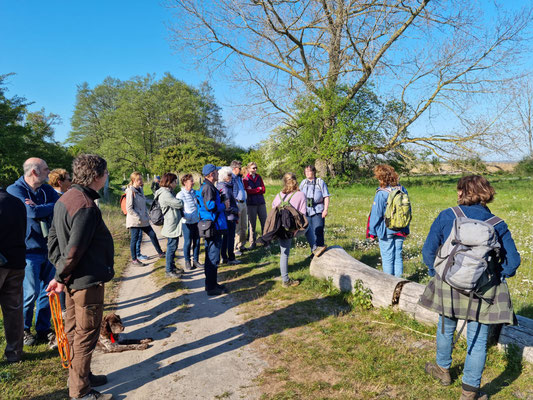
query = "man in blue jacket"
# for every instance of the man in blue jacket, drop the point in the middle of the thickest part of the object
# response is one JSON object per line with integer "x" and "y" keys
{"x": 39, "y": 199}
{"x": 212, "y": 216}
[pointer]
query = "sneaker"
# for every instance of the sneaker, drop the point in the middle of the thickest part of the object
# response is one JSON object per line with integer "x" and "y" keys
{"x": 439, "y": 373}
{"x": 319, "y": 251}
{"x": 234, "y": 262}
{"x": 142, "y": 257}
{"x": 29, "y": 339}
{"x": 48, "y": 337}
{"x": 94, "y": 395}
{"x": 137, "y": 263}
{"x": 291, "y": 282}
{"x": 173, "y": 274}
{"x": 252, "y": 246}
{"x": 162, "y": 255}
{"x": 237, "y": 253}
{"x": 197, "y": 264}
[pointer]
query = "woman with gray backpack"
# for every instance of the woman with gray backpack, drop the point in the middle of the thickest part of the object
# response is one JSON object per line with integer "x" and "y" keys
{"x": 469, "y": 253}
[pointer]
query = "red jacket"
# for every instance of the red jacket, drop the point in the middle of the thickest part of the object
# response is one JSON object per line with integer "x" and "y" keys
{"x": 255, "y": 188}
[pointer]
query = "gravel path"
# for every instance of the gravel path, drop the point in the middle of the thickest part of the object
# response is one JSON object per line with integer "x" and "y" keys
{"x": 200, "y": 349}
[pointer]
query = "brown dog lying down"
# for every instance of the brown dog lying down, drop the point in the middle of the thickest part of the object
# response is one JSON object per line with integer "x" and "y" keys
{"x": 109, "y": 342}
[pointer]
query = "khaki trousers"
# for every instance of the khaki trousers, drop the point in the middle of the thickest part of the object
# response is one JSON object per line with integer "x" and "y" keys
{"x": 11, "y": 301}
{"x": 240, "y": 228}
{"x": 82, "y": 326}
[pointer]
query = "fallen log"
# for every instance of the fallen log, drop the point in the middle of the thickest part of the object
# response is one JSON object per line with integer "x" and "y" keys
{"x": 344, "y": 270}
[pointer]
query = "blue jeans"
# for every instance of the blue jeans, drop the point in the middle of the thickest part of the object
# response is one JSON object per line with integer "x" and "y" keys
{"x": 191, "y": 236}
{"x": 137, "y": 237}
{"x": 212, "y": 258}
{"x": 315, "y": 231}
{"x": 391, "y": 254}
{"x": 228, "y": 242}
{"x": 476, "y": 339}
{"x": 38, "y": 274}
{"x": 172, "y": 245}
{"x": 285, "y": 249}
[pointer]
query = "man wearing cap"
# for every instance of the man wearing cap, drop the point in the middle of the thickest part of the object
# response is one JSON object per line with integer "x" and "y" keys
{"x": 212, "y": 224}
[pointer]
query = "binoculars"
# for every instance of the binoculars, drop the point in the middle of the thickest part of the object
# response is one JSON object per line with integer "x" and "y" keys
{"x": 310, "y": 202}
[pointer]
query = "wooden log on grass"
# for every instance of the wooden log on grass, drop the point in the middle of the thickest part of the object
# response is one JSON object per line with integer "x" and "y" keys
{"x": 344, "y": 270}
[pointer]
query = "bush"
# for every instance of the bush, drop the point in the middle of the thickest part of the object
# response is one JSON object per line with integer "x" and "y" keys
{"x": 525, "y": 166}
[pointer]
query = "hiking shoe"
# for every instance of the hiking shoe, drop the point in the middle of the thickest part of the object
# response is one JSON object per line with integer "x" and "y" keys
{"x": 223, "y": 288}
{"x": 291, "y": 282}
{"x": 49, "y": 337}
{"x": 439, "y": 373}
{"x": 97, "y": 380}
{"x": 234, "y": 262}
{"x": 94, "y": 395}
{"x": 162, "y": 255}
{"x": 29, "y": 339}
{"x": 215, "y": 292}
{"x": 173, "y": 274}
{"x": 137, "y": 263}
{"x": 142, "y": 257}
{"x": 237, "y": 253}
{"x": 189, "y": 267}
{"x": 252, "y": 246}
{"x": 477, "y": 395}
{"x": 319, "y": 251}
{"x": 197, "y": 264}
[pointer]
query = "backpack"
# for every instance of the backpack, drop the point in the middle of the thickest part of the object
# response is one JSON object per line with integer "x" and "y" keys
{"x": 287, "y": 218}
{"x": 122, "y": 203}
{"x": 466, "y": 258}
{"x": 156, "y": 215}
{"x": 398, "y": 211}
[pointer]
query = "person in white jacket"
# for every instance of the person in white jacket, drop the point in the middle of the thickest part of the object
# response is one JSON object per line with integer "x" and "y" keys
{"x": 172, "y": 209}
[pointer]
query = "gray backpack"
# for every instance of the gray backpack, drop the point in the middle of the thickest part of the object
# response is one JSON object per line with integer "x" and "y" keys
{"x": 464, "y": 260}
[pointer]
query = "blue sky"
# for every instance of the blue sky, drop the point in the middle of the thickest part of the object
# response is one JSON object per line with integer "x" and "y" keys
{"x": 52, "y": 46}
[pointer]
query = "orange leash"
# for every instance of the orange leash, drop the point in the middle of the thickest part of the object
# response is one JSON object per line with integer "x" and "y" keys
{"x": 62, "y": 343}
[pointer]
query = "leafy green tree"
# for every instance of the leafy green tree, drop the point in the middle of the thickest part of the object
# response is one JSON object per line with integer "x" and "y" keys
{"x": 129, "y": 122}
{"x": 26, "y": 134}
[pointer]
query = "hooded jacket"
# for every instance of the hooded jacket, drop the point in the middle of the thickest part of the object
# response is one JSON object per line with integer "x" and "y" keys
{"x": 44, "y": 198}
{"x": 172, "y": 209}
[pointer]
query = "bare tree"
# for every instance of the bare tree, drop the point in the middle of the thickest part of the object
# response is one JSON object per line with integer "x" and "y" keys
{"x": 436, "y": 58}
{"x": 522, "y": 109}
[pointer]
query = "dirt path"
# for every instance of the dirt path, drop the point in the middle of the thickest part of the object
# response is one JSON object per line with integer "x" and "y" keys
{"x": 200, "y": 350}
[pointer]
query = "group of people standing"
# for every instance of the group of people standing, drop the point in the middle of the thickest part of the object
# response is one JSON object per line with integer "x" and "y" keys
{"x": 53, "y": 239}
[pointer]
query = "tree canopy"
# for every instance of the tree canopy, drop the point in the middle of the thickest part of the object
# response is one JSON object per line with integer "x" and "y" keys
{"x": 425, "y": 58}
{"x": 131, "y": 122}
{"x": 25, "y": 134}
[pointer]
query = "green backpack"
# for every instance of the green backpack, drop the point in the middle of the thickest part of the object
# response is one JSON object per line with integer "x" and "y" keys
{"x": 398, "y": 210}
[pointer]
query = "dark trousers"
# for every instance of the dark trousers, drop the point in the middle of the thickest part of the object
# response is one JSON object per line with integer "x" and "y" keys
{"x": 137, "y": 237}
{"x": 82, "y": 326}
{"x": 191, "y": 238}
{"x": 212, "y": 258}
{"x": 228, "y": 243}
{"x": 315, "y": 231}
{"x": 11, "y": 302}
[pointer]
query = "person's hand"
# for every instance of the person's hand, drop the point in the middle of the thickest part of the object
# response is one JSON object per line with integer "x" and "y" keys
{"x": 55, "y": 286}
{"x": 29, "y": 202}
{"x": 324, "y": 213}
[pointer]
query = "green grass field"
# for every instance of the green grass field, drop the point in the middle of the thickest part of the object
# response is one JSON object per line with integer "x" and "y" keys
{"x": 317, "y": 346}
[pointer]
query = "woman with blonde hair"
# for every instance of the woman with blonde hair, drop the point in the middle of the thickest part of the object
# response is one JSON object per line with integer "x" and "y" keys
{"x": 138, "y": 221}
{"x": 60, "y": 180}
{"x": 390, "y": 241}
{"x": 290, "y": 193}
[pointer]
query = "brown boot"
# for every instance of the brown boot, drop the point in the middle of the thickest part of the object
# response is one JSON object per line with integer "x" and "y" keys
{"x": 437, "y": 372}
{"x": 477, "y": 395}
